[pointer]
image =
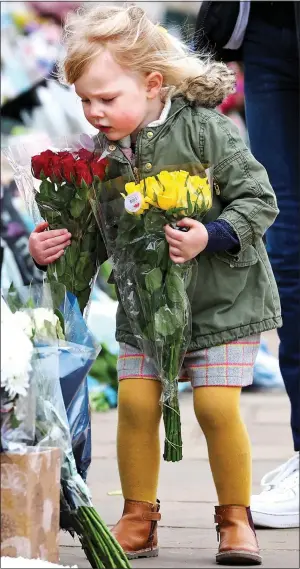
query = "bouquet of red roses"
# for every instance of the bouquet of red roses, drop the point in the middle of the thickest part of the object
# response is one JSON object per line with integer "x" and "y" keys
{"x": 66, "y": 178}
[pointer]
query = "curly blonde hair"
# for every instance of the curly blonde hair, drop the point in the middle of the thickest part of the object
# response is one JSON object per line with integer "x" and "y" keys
{"x": 139, "y": 45}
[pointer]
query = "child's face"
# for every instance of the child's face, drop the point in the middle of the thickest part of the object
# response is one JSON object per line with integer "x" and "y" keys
{"x": 115, "y": 100}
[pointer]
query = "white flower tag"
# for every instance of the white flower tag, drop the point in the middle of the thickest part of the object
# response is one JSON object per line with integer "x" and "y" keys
{"x": 133, "y": 202}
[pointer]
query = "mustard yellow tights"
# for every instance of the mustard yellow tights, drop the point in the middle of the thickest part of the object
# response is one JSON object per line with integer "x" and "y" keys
{"x": 218, "y": 413}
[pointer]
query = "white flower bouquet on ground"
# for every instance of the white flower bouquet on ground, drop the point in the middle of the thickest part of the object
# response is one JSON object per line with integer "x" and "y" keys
{"x": 63, "y": 345}
{"x": 16, "y": 374}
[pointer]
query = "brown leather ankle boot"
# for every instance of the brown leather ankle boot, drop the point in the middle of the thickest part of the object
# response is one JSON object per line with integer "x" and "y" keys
{"x": 136, "y": 531}
{"x": 237, "y": 537}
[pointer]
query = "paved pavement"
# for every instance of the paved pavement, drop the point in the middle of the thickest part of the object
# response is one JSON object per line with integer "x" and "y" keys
{"x": 186, "y": 534}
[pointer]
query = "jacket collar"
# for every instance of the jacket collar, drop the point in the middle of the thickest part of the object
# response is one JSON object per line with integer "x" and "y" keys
{"x": 170, "y": 110}
{"x": 126, "y": 142}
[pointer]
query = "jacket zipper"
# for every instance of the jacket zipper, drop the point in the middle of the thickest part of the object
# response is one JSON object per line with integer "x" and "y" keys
{"x": 216, "y": 187}
{"x": 136, "y": 175}
{"x": 206, "y": 12}
{"x": 135, "y": 169}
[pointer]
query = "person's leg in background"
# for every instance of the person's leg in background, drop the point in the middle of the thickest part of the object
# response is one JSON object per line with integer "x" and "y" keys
{"x": 271, "y": 65}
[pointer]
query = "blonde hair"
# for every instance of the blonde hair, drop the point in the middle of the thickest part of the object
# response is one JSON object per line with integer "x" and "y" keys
{"x": 138, "y": 44}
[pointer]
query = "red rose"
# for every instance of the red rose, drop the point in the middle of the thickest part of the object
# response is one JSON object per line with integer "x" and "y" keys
{"x": 98, "y": 168}
{"x": 85, "y": 155}
{"x": 42, "y": 164}
{"x": 83, "y": 173}
{"x": 63, "y": 153}
{"x": 56, "y": 169}
{"x": 68, "y": 167}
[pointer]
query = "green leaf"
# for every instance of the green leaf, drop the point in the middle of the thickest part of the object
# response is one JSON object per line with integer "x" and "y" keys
{"x": 14, "y": 421}
{"x": 85, "y": 268}
{"x": 88, "y": 242}
{"x": 104, "y": 368}
{"x": 200, "y": 207}
{"x": 76, "y": 207}
{"x": 80, "y": 285}
{"x": 84, "y": 191}
{"x": 49, "y": 328}
{"x": 83, "y": 298}
{"x": 190, "y": 205}
{"x": 154, "y": 221}
{"x": 59, "y": 332}
{"x": 71, "y": 254}
{"x": 162, "y": 251}
{"x": 167, "y": 321}
{"x": 175, "y": 288}
{"x": 49, "y": 199}
{"x": 149, "y": 333}
{"x": 51, "y": 271}
{"x": 98, "y": 402}
{"x": 68, "y": 280}
{"x": 45, "y": 189}
{"x": 60, "y": 266}
{"x": 62, "y": 322}
{"x": 153, "y": 280}
{"x": 52, "y": 217}
{"x": 29, "y": 303}
{"x": 13, "y": 299}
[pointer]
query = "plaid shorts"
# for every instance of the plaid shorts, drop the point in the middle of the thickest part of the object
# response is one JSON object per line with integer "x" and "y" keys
{"x": 229, "y": 364}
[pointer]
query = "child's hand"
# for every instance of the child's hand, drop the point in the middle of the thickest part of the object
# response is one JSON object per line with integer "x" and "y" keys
{"x": 47, "y": 246}
{"x": 186, "y": 245}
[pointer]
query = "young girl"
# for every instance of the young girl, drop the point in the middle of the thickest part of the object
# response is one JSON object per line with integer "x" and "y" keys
{"x": 153, "y": 101}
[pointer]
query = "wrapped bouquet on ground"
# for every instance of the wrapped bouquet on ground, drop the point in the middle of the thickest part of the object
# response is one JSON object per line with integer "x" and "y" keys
{"x": 30, "y": 473}
{"x": 154, "y": 291}
{"x": 54, "y": 324}
{"x": 51, "y": 314}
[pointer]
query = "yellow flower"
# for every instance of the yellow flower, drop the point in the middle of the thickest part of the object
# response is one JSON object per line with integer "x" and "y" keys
{"x": 131, "y": 187}
{"x": 200, "y": 191}
{"x": 151, "y": 189}
{"x": 170, "y": 190}
{"x": 144, "y": 206}
{"x": 171, "y": 193}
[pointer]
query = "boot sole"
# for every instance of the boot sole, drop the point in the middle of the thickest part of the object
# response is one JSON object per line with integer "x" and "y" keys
{"x": 238, "y": 558}
{"x": 142, "y": 553}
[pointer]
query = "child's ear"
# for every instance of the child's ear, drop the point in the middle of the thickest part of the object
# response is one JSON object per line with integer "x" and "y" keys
{"x": 154, "y": 83}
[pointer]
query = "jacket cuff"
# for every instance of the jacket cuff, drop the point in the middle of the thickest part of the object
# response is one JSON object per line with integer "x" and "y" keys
{"x": 41, "y": 267}
{"x": 241, "y": 227}
{"x": 221, "y": 237}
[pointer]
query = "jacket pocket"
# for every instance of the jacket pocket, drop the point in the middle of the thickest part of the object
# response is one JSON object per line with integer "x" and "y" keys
{"x": 245, "y": 258}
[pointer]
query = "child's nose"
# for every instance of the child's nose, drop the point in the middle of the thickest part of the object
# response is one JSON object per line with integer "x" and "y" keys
{"x": 96, "y": 111}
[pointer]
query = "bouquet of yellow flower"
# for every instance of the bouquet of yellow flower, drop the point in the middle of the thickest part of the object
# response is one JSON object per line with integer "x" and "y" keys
{"x": 154, "y": 291}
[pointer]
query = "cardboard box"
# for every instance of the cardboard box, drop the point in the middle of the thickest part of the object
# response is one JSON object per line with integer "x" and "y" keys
{"x": 30, "y": 504}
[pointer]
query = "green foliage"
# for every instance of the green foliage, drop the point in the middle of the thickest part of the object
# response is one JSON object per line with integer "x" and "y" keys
{"x": 66, "y": 206}
{"x": 104, "y": 368}
{"x": 154, "y": 294}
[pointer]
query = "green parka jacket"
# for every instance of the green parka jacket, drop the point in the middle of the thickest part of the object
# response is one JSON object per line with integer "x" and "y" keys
{"x": 235, "y": 295}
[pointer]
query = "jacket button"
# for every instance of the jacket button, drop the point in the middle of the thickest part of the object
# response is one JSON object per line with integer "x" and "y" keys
{"x": 111, "y": 147}
{"x": 148, "y": 166}
{"x": 149, "y": 134}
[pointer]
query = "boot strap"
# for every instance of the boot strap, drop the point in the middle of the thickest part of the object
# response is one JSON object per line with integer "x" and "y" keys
{"x": 151, "y": 516}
